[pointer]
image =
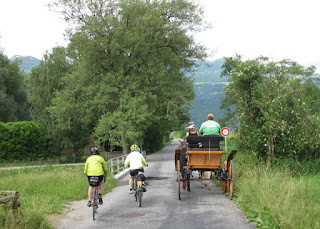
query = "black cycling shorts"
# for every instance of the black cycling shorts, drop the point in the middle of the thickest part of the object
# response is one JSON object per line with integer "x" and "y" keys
{"x": 135, "y": 171}
{"x": 100, "y": 178}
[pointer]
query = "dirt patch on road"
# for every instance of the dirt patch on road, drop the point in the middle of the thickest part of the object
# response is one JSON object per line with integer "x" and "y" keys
{"x": 54, "y": 219}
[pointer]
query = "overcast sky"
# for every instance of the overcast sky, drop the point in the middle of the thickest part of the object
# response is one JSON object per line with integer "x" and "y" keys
{"x": 274, "y": 28}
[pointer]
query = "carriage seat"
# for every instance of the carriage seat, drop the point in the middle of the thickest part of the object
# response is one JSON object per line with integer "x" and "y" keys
{"x": 207, "y": 141}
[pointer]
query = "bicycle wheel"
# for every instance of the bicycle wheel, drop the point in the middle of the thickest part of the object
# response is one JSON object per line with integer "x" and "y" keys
{"x": 140, "y": 197}
{"x": 94, "y": 202}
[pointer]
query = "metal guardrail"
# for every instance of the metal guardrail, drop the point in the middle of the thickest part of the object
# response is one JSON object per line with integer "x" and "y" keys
{"x": 116, "y": 165}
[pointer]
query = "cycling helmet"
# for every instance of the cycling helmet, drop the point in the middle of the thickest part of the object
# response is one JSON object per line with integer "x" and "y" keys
{"x": 95, "y": 151}
{"x": 134, "y": 147}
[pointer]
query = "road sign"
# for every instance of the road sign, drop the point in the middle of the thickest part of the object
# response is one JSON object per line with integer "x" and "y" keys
{"x": 225, "y": 131}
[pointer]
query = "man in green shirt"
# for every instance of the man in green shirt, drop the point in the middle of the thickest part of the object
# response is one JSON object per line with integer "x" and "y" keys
{"x": 210, "y": 127}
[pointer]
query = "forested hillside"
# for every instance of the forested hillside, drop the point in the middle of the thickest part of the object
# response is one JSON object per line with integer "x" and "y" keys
{"x": 208, "y": 87}
{"x": 27, "y": 62}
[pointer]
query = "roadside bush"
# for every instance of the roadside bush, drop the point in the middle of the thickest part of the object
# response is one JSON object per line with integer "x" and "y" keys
{"x": 24, "y": 141}
{"x": 274, "y": 195}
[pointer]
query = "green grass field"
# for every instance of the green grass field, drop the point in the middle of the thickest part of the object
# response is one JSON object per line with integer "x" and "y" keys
{"x": 274, "y": 198}
{"x": 271, "y": 197}
{"x": 43, "y": 191}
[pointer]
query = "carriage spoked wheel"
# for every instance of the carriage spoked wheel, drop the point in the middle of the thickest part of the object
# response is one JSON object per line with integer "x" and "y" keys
{"x": 178, "y": 178}
{"x": 231, "y": 179}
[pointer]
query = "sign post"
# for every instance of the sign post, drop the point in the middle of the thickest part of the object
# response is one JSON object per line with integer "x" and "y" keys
{"x": 225, "y": 132}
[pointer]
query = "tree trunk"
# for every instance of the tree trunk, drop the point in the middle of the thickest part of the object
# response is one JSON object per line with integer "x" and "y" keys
{"x": 124, "y": 145}
{"x": 270, "y": 153}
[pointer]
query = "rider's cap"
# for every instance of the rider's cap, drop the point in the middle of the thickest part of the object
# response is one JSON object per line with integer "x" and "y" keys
{"x": 191, "y": 126}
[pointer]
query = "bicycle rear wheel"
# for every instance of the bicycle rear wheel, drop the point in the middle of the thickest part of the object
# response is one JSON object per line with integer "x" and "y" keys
{"x": 94, "y": 202}
{"x": 139, "y": 194}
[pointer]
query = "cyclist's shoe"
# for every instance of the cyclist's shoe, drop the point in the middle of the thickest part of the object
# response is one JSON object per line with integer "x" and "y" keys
{"x": 100, "y": 200}
{"x": 144, "y": 189}
{"x": 130, "y": 191}
{"x": 89, "y": 203}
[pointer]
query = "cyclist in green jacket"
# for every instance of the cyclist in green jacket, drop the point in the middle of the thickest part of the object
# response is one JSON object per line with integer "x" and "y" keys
{"x": 95, "y": 166}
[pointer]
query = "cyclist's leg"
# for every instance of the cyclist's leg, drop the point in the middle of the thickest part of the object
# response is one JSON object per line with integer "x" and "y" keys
{"x": 90, "y": 193}
{"x": 131, "y": 182}
{"x": 100, "y": 189}
{"x": 89, "y": 189}
{"x": 132, "y": 174}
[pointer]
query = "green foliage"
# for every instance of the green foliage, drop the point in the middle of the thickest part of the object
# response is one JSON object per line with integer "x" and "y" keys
{"x": 43, "y": 191}
{"x": 272, "y": 197}
{"x": 24, "y": 141}
{"x": 44, "y": 82}
{"x": 13, "y": 94}
{"x": 129, "y": 79}
{"x": 277, "y": 112}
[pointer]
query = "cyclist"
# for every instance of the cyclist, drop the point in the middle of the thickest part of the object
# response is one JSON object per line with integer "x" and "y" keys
{"x": 95, "y": 166}
{"x": 136, "y": 162}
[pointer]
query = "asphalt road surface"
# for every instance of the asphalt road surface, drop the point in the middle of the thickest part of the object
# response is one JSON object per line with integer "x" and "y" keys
{"x": 161, "y": 208}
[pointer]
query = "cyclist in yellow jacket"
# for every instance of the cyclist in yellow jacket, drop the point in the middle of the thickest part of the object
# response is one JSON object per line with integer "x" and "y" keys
{"x": 96, "y": 166}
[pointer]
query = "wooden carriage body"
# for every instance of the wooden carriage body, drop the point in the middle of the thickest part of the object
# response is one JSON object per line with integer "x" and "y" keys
{"x": 201, "y": 152}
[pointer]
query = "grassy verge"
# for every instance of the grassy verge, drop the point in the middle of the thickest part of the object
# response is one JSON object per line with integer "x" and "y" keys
{"x": 273, "y": 197}
{"x": 44, "y": 190}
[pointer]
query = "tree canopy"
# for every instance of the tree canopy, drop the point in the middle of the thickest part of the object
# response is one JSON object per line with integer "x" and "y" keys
{"x": 13, "y": 93}
{"x": 277, "y": 106}
{"x": 128, "y": 77}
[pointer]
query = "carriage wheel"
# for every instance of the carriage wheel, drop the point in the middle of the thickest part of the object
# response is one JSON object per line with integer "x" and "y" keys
{"x": 231, "y": 179}
{"x": 178, "y": 178}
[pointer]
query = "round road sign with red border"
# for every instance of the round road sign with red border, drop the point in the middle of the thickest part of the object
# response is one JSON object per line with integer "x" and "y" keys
{"x": 225, "y": 131}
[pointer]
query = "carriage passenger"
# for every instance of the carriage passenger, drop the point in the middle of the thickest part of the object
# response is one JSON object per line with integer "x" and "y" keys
{"x": 210, "y": 127}
{"x": 191, "y": 130}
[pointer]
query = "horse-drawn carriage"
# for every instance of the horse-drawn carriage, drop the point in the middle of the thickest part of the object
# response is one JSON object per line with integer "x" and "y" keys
{"x": 203, "y": 153}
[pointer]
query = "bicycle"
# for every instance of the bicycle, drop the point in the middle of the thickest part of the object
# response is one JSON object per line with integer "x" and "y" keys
{"x": 94, "y": 182}
{"x": 138, "y": 186}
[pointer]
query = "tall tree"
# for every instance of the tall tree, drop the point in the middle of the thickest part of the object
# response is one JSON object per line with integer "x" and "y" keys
{"x": 130, "y": 62}
{"x": 13, "y": 93}
{"x": 277, "y": 108}
{"x": 44, "y": 82}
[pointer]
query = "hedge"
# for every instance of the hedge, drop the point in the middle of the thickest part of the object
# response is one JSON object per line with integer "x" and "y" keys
{"x": 24, "y": 141}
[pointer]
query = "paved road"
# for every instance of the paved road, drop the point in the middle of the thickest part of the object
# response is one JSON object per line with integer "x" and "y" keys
{"x": 200, "y": 208}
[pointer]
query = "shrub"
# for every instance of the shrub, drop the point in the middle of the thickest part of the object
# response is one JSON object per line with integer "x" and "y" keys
{"x": 24, "y": 141}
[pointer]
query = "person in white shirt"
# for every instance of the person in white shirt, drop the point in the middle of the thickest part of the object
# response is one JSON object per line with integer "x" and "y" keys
{"x": 136, "y": 162}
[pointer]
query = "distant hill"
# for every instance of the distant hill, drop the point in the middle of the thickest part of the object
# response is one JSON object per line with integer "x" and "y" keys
{"x": 208, "y": 87}
{"x": 28, "y": 62}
